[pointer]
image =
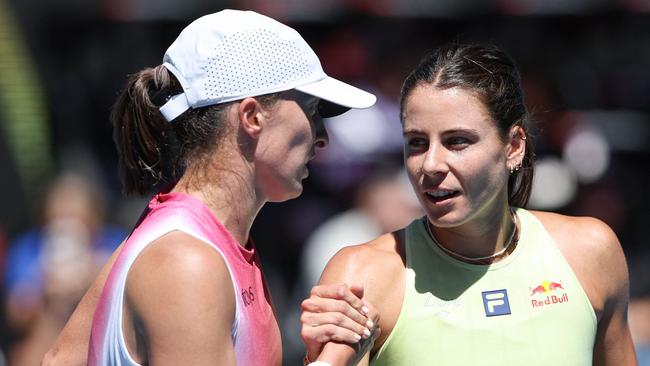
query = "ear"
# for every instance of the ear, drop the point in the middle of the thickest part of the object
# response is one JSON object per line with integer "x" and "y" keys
{"x": 251, "y": 118}
{"x": 515, "y": 147}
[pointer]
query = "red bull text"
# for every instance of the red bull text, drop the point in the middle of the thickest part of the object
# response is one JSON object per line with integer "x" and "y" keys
{"x": 549, "y": 291}
{"x": 553, "y": 299}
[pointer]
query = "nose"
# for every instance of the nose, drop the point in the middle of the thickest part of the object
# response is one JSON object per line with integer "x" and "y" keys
{"x": 435, "y": 161}
{"x": 321, "y": 139}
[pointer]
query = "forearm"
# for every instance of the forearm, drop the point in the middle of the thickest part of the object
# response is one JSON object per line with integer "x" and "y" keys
{"x": 341, "y": 354}
{"x": 337, "y": 354}
{"x": 71, "y": 347}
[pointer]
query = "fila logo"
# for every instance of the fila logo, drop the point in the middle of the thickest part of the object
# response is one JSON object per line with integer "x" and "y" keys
{"x": 496, "y": 302}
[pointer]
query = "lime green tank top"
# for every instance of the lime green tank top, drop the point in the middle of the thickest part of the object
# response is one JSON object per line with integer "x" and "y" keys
{"x": 527, "y": 309}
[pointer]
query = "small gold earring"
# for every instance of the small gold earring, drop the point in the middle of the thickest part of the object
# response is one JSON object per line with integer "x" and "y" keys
{"x": 515, "y": 168}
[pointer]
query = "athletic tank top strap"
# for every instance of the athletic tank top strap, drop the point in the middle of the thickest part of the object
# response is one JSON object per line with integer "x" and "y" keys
{"x": 255, "y": 332}
{"x": 527, "y": 309}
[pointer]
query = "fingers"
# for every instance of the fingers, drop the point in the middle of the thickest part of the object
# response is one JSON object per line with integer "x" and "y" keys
{"x": 337, "y": 313}
{"x": 342, "y": 292}
{"x": 324, "y": 333}
{"x": 338, "y": 320}
{"x": 320, "y": 305}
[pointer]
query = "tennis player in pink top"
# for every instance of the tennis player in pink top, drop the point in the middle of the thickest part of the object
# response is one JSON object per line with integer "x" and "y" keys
{"x": 227, "y": 123}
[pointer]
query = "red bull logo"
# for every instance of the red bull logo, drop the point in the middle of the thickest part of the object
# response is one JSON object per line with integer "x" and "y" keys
{"x": 547, "y": 293}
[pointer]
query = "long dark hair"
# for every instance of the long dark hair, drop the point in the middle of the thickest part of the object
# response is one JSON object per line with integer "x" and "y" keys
{"x": 491, "y": 74}
{"x": 152, "y": 151}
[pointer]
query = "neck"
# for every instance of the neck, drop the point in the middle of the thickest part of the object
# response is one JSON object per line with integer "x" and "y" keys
{"x": 483, "y": 244}
{"x": 232, "y": 202}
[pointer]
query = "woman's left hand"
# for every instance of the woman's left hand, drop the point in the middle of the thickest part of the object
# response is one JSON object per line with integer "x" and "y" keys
{"x": 337, "y": 313}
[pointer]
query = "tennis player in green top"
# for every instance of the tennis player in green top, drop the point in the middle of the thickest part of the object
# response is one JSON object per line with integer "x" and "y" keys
{"x": 479, "y": 280}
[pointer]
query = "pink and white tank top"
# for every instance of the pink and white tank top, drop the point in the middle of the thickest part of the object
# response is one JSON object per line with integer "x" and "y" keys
{"x": 255, "y": 332}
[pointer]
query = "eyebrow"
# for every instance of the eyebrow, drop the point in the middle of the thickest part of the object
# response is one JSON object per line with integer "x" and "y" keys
{"x": 410, "y": 131}
{"x": 446, "y": 132}
{"x": 463, "y": 130}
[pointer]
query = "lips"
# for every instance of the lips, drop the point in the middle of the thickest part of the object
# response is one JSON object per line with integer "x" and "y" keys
{"x": 440, "y": 195}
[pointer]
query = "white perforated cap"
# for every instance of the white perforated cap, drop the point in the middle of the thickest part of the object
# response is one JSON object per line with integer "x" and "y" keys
{"x": 233, "y": 54}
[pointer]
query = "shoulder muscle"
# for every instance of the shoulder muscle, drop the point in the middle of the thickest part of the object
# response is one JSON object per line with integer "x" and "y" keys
{"x": 379, "y": 267}
{"x": 594, "y": 253}
{"x": 180, "y": 290}
{"x": 370, "y": 264}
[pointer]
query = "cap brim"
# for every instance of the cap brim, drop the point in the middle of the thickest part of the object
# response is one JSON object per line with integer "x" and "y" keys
{"x": 341, "y": 96}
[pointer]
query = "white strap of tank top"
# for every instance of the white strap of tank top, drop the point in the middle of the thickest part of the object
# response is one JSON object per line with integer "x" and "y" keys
{"x": 320, "y": 363}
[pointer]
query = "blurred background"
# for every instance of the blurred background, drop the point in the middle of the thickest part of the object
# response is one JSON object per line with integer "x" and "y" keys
{"x": 586, "y": 72}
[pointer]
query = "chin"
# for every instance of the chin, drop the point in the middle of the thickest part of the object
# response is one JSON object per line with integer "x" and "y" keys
{"x": 287, "y": 195}
{"x": 443, "y": 219}
{"x": 297, "y": 192}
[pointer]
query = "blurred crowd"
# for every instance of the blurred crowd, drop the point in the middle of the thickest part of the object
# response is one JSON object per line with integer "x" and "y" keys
{"x": 586, "y": 73}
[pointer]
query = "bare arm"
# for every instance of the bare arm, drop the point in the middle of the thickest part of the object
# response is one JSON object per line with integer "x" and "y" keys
{"x": 71, "y": 347}
{"x": 614, "y": 344}
{"x": 180, "y": 291}
{"x": 379, "y": 268}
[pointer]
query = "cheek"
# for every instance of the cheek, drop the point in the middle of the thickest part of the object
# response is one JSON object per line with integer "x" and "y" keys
{"x": 484, "y": 177}
{"x": 302, "y": 138}
{"x": 291, "y": 139}
{"x": 296, "y": 151}
{"x": 297, "y": 130}
{"x": 413, "y": 167}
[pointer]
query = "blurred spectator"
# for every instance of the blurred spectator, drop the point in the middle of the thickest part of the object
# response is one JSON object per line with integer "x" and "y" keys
{"x": 49, "y": 267}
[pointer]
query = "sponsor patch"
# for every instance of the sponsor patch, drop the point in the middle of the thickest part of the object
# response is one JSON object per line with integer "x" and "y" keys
{"x": 496, "y": 302}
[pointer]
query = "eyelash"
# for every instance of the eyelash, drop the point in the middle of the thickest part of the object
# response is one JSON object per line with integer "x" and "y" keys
{"x": 416, "y": 142}
{"x": 453, "y": 143}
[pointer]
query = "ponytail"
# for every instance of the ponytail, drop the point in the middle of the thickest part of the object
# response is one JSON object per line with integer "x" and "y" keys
{"x": 145, "y": 141}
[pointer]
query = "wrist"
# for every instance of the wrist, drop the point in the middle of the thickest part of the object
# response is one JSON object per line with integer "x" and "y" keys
{"x": 307, "y": 362}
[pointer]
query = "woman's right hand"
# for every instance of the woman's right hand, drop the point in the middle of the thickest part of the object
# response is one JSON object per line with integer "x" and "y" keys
{"x": 337, "y": 313}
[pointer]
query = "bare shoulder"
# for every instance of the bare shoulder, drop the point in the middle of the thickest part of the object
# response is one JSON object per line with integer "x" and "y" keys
{"x": 379, "y": 266}
{"x": 179, "y": 292}
{"x": 593, "y": 251}
{"x": 178, "y": 264}
{"x": 377, "y": 259}
{"x": 588, "y": 237}
{"x": 581, "y": 231}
